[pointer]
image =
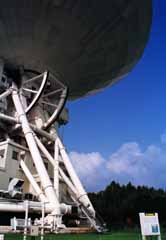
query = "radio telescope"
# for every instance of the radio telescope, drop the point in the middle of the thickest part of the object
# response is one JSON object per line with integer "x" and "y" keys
{"x": 52, "y": 51}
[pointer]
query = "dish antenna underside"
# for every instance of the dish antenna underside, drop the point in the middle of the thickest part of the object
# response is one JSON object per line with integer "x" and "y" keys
{"x": 88, "y": 45}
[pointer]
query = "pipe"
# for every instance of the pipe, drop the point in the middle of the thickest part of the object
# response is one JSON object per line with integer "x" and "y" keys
{"x": 83, "y": 195}
{"x": 52, "y": 93}
{"x": 66, "y": 209}
{"x": 54, "y": 162}
{"x": 43, "y": 133}
{"x": 44, "y": 177}
{"x": 33, "y": 207}
{"x": 33, "y": 182}
{"x": 58, "y": 110}
{"x": 26, "y": 218}
{"x": 9, "y": 119}
{"x": 44, "y": 150}
{"x": 56, "y": 168}
{"x": 10, "y": 207}
{"x": 42, "y": 225}
{"x": 69, "y": 183}
{"x": 37, "y": 130}
{"x": 20, "y": 207}
{"x": 6, "y": 93}
{"x": 34, "y": 78}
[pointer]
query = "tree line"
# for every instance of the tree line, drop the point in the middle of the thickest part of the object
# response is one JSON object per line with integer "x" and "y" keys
{"x": 120, "y": 205}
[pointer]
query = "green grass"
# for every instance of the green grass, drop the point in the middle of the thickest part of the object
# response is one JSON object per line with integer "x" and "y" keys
{"x": 113, "y": 236}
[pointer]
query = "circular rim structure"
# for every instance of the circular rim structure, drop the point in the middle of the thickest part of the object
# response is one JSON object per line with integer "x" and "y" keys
{"x": 87, "y": 45}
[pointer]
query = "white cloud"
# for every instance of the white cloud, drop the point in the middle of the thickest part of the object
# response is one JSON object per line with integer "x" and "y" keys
{"x": 128, "y": 163}
{"x": 163, "y": 138}
{"x": 126, "y": 159}
{"x": 89, "y": 167}
{"x": 86, "y": 163}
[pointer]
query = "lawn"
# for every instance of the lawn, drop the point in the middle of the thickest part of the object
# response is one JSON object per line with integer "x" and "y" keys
{"x": 113, "y": 236}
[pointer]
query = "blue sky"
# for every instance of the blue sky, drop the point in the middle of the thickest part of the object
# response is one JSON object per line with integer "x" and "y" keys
{"x": 125, "y": 123}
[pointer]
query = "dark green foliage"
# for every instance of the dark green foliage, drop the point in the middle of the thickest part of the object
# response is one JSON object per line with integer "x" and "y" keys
{"x": 119, "y": 206}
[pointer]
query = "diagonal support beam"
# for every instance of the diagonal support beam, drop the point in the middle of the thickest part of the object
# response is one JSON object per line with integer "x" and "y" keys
{"x": 76, "y": 181}
{"x": 29, "y": 136}
{"x": 31, "y": 179}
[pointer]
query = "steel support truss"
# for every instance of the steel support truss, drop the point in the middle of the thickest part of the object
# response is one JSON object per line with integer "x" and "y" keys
{"x": 48, "y": 192}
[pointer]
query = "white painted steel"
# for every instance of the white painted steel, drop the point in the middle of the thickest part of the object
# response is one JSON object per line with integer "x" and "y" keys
{"x": 56, "y": 168}
{"x": 54, "y": 162}
{"x": 68, "y": 183}
{"x": 20, "y": 207}
{"x": 31, "y": 179}
{"x": 75, "y": 196}
{"x": 44, "y": 177}
{"x": 26, "y": 218}
{"x": 43, "y": 133}
{"x": 53, "y": 117}
{"x": 2, "y": 236}
{"x": 12, "y": 207}
{"x": 37, "y": 96}
{"x": 53, "y": 93}
{"x": 42, "y": 224}
{"x": 33, "y": 79}
{"x": 83, "y": 195}
{"x": 33, "y": 206}
{"x": 8, "y": 118}
{"x": 51, "y": 191}
{"x": 29, "y": 90}
{"x": 6, "y": 93}
{"x": 64, "y": 207}
{"x": 44, "y": 150}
